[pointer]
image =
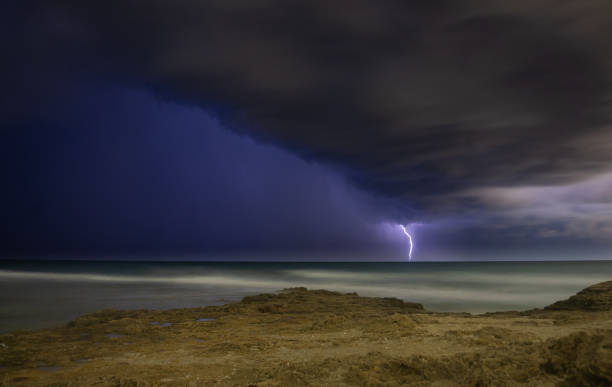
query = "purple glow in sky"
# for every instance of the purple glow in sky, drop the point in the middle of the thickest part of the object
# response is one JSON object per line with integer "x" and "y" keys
{"x": 136, "y": 176}
{"x": 119, "y": 172}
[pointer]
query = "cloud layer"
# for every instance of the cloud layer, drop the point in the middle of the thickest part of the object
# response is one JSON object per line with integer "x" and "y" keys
{"x": 414, "y": 98}
{"x": 460, "y": 109}
{"x": 115, "y": 173}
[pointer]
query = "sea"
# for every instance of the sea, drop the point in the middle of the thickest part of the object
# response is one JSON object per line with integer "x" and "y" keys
{"x": 43, "y": 294}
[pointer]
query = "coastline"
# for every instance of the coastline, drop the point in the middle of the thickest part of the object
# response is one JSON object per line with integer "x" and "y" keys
{"x": 317, "y": 337}
{"x": 34, "y": 295}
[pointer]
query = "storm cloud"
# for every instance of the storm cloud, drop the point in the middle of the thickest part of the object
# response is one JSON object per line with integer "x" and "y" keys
{"x": 127, "y": 176}
{"x": 435, "y": 104}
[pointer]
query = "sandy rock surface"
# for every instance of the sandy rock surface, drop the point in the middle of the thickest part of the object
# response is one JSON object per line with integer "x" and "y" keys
{"x": 316, "y": 337}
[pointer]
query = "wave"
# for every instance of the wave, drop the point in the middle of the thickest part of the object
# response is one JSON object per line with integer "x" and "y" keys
{"x": 428, "y": 288}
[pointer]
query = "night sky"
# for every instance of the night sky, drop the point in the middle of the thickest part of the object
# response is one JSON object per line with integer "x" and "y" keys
{"x": 306, "y": 130}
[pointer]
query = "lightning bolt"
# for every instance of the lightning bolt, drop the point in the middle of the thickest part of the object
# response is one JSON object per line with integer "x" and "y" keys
{"x": 409, "y": 239}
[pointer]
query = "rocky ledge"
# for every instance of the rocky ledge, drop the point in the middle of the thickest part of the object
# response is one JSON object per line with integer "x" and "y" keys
{"x": 300, "y": 337}
{"x": 594, "y": 298}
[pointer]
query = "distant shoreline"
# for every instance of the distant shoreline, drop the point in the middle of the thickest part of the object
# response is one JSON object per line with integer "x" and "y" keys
{"x": 255, "y": 261}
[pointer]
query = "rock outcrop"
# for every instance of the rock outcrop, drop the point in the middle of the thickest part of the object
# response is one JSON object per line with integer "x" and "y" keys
{"x": 302, "y": 300}
{"x": 300, "y": 337}
{"x": 594, "y": 298}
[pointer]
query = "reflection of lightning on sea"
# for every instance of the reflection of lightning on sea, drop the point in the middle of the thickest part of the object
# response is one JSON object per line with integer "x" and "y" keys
{"x": 409, "y": 239}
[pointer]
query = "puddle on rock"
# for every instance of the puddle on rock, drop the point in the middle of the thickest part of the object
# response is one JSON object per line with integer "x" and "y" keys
{"x": 160, "y": 324}
{"x": 114, "y": 335}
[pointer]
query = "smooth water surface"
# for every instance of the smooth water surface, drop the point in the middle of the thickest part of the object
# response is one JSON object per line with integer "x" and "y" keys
{"x": 46, "y": 294}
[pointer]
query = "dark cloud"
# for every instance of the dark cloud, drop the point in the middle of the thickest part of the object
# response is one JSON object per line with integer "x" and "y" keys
{"x": 113, "y": 172}
{"x": 412, "y": 98}
{"x": 428, "y": 102}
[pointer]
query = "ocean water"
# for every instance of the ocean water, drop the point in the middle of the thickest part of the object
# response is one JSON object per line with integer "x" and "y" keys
{"x": 45, "y": 294}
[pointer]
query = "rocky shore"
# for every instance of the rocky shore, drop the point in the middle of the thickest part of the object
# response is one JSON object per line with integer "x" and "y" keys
{"x": 316, "y": 337}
